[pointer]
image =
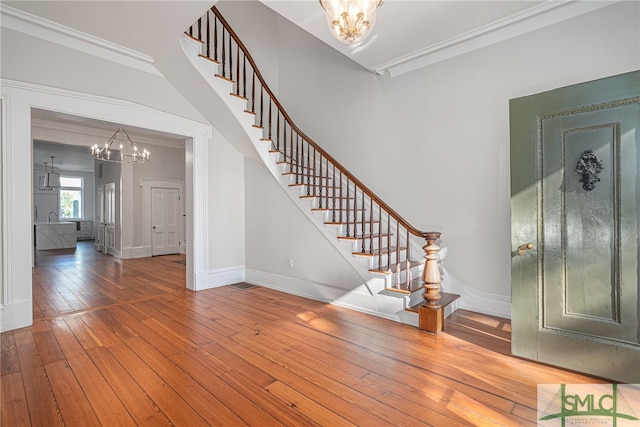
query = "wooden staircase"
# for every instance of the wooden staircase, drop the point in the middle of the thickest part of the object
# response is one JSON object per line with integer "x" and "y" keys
{"x": 374, "y": 238}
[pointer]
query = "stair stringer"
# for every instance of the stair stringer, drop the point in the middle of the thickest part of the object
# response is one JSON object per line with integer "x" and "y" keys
{"x": 370, "y": 296}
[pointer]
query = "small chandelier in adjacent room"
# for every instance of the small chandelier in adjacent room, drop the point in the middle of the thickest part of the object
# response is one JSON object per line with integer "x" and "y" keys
{"x": 121, "y": 153}
{"x": 350, "y": 21}
{"x": 51, "y": 178}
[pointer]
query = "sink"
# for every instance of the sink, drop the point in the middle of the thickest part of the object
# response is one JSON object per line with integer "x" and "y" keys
{"x": 55, "y": 235}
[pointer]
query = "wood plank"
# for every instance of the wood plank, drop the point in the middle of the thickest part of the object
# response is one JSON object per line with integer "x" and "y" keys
{"x": 141, "y": 407}
{"x": 74, "y": 407}
{"x": 307, "y": 406}
{"x": 15, "y": 411}
{"x": 43, "y": 407}
{"x": 170, "y": 402}
{"x": 203, "y": 403}
{"x": 9, "y": 354}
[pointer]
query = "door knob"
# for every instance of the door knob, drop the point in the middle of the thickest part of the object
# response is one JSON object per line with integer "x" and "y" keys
{"x": 154, "y": 227}
{"x": 523, "y": 248}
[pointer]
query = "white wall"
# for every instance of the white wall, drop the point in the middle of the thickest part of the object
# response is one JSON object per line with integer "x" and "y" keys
{"x": 433, "y": 143}
{"x": 226, "y": 205}
{"x": 278, "y": 232}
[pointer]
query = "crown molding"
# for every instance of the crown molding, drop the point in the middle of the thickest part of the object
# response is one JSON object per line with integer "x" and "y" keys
{"x": 542, "y": 15}
{"x": 35, "y": 26}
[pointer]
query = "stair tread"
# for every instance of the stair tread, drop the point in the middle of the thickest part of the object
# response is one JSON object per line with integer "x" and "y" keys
{"x": 350, "y": 222}
{"x": 446, "y": 299}
{"x": 363, "y": 236}
{"x": 208, "y": 58}
{"x": 326, "y": 197}
{"x": 225, "y": 78}
{"x": 393, "y": 269}
{"x": 382, "y": 251}
{"x": 337, "y": 209}
{"x": 407, "y": 288}
{"x": 310, "y": 176}
{"x": 237, "y": 95}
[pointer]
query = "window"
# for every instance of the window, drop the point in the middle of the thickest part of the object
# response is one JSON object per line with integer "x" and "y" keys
{"x": 71, "y": 189}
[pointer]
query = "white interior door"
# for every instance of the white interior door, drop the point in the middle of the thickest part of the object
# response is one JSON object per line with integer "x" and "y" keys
{"x": 110, "y": 218}
{"x": 99, "y": 243}
{"x": 165, "y": 221}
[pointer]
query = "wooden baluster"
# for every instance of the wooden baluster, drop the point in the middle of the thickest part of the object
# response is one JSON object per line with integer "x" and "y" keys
{"x": 291, "y": 150}
{"x": 237, "y": 69}
{"x": 297, "y": 159}
{"x": 364, "y": 241}
{"x": 253, "y": 92}
{"x": 319, "y": 192}
{"x": 362, "y": 219}
{"x": 314, "y": 172}
{"x": 230, "y": 58}
{"x": 408, "y": 260}
{"x": 431, "y": 314}
{"x": 284, "y": 142}
{"x": 301, "y": 170}
{"x": 261, "y": 105}
{"x": 224, "y": 56}
{"x": 340, "y": 197}
{"x": 278, "y": 131}
{"x": 370, "y": 224}
{"x": 207, "y": 44}
{"x": 398, "y": 252}
{"x": 379, "y": 237}
{"x": 388, "y": 240}
{"x": 326, "y": 189}
{"x": 191, "y": 31}
{"x": 347, "y": 210}
{"x": 308, "y": 168}
{"x": 215, "y": 39}
{"x": 270, "y": 102}
{"x": 333, "y": 192}
{"x": 200, "y": 29}
{"x": 244, "y": 77}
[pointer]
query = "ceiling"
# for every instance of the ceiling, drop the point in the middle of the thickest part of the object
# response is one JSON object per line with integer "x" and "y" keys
{"x": 410, "y": 34}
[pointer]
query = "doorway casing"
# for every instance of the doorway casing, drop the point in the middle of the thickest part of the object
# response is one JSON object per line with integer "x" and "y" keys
{"x": 18, "y": 99}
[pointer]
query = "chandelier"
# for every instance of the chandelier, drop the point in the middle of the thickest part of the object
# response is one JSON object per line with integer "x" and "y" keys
{"x": 350, "y": 21}
{"x": 121, "y": 153}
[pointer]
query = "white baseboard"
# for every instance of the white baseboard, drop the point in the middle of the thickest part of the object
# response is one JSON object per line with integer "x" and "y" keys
{"x": 291, "y": 285}
{"x": 220, "y": 277}
{"x": 358, "y": 299}
{"x": 475, "y": 300}
{"x": 136, "y": 252}
{"x": 15, "y": 315}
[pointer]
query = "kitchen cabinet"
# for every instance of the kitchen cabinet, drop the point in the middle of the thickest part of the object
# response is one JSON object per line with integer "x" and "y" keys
{"x": 85, "y": 230}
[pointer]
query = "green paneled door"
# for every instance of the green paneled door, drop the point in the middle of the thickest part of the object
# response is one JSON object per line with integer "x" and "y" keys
{"x": 575, "y": 195}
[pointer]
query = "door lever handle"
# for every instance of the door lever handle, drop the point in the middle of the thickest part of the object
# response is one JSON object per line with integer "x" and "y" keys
{"x": 525, "y": 247}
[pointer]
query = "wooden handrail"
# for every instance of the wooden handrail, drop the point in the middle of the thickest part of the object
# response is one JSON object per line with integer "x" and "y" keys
{"x": 318, "y": 169}
{"x": 413, "y": 230}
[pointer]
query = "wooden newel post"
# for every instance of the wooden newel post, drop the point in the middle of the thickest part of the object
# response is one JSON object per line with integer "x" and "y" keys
{"x": 431, "y": 314}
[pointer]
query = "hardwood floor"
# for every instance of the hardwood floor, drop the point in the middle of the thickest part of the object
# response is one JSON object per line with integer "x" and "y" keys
{"x": 122, "y": 342}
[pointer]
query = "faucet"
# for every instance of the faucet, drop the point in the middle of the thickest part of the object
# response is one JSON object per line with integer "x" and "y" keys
{"x": 49, "y": 217}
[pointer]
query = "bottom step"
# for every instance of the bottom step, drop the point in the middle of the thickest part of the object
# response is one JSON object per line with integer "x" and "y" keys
{"x": 444, "y": 301}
